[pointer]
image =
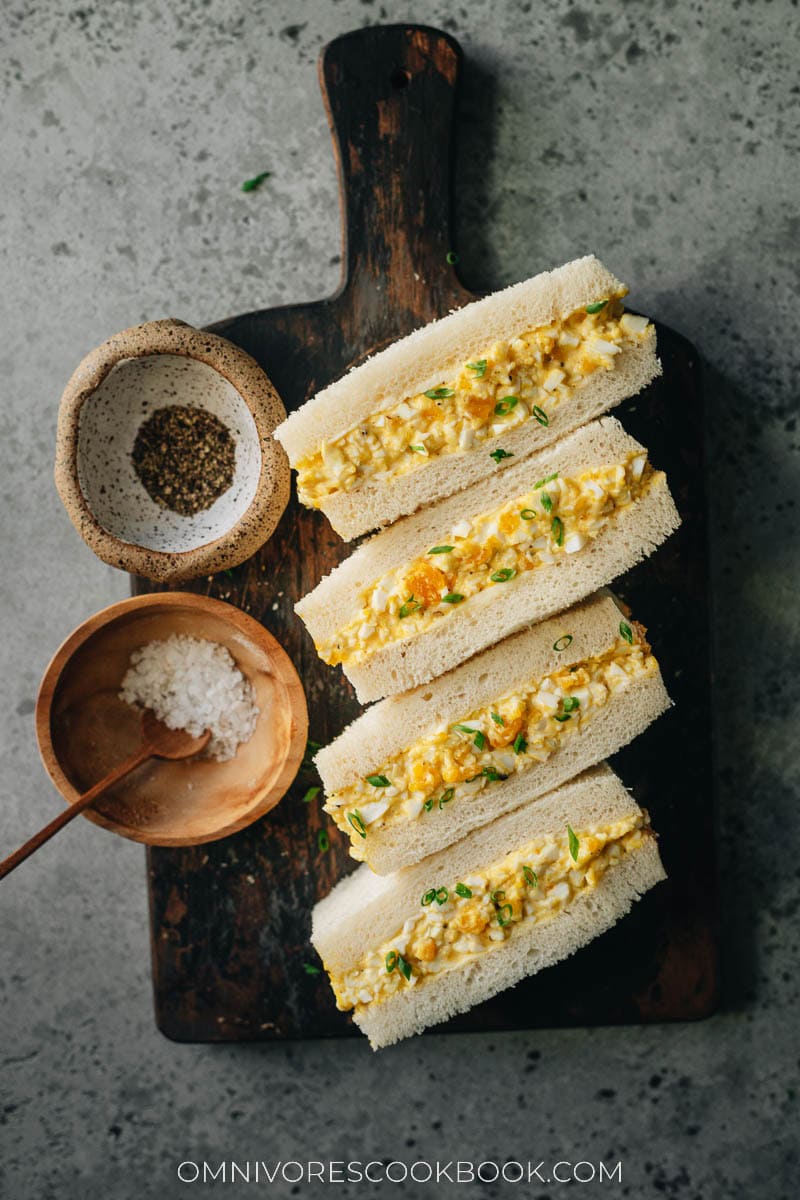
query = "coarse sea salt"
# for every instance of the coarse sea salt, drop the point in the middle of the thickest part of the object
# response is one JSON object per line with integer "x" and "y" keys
{"x": 193, "y": 684}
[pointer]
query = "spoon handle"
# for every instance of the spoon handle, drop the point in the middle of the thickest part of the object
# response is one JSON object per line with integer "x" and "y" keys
{"x": 68, "y": 814}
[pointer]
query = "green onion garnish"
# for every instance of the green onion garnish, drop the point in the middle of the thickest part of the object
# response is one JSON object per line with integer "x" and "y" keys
{"x": 562, "y": 717}
{"x": 428, "y": 897}
{"x": 505, "y": 405}
{"x": 479, "y": 740}
{"x": 492, "y": 774}
{"x": 440, "y": 550}
{"x": 547, "y": 479}
{"x": 528, "y": 514}
{"x": 502, "y": 918}
{"x": 574, "y": 844}
{"x": 563, "y": 642}
{"x": 498, "y": 720}
{"x": 250, "y": 185}
{"x": 446, "y": 797}
{"x": 391, "y": 961}
{"x": 357, "y": 821}
{"x": 547, "y": 503}
{"x": 310, "y": 969}
{"x": 520, "y": 744}
{"x": 497, "y": 896}
{"x": 311, "y": 794}
{"x": 557, "y": 530}
{"x": 440, "y": 393}
{"x": 503, "y": 575}
{"x": 530, "y": 876}
{"x": 463, "y": 890}
{"x": 452, "y": 598}
{"x": 404, "y": 967}
{"x": 597, "y": 307}
{"x": 442, "y": 896}
{"x": 419, "y": 449}
{"x": 451, "y": 257}
{"x": 541, "y": 415}
{"x": 571, "y": 703}
{"x": 411, "y": 605}
{"x": 428, "y": 805}
{"x": 323, "y": 841}
{"x": 626, "y": 632}
{"x": 378, "y": 781}
{"x": 498, "y": 455}
{"x": 463, "y": 729}
{"x": 478, "y": 367}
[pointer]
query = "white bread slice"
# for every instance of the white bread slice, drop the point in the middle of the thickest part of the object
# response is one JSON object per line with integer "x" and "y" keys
{"x": 495, "y": 612}
{"x": 437, "y": 351}
{"x": 365, "y": 910}
{"x": 397, "y": 723}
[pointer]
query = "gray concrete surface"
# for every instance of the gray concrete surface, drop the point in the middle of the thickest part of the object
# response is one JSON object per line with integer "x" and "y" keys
{"x": 665, "y": 138}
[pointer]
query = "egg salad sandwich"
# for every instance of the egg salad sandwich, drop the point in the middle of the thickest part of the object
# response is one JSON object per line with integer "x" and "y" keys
{"x": 412, "y": 949}
{"x": 467, "y": 395}
{"x": 417, "y": 599}
{"x": 417, "y": 772}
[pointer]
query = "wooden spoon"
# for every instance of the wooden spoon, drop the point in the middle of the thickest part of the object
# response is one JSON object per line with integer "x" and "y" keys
{"x": 157, "y": 742}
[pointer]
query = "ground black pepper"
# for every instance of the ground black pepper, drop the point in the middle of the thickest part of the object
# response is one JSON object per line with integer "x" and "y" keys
{"x": 184, "y": 458}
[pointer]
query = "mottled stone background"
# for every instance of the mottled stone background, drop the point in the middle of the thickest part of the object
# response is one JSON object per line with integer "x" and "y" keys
{"x": 664, "y": 137}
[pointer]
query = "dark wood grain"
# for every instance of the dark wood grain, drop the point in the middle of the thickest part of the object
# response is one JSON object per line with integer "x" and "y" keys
{"x": 230, "y": 920}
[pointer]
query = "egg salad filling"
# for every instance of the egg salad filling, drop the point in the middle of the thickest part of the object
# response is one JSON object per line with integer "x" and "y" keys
{"x": 522, "y": 728}
{"x": 558, "y": 516}
{"x": 459, "y": 920}
{"x": 510, "y": 383}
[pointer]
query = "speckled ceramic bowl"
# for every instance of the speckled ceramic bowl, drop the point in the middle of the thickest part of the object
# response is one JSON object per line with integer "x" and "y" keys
{"x": 113, "y": 391}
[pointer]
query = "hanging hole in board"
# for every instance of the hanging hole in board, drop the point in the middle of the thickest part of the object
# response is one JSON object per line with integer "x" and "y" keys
{"x": 399, "y": 79}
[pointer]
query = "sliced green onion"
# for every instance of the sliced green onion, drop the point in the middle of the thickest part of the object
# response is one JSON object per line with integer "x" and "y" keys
{"x": 446, "y": 797}
{"x": 310, "y": 969}
{"x": 571, "y": 703}
{"x": 498, "y": 455}
{"x": 428, "y": 897}
{"x": 498, "y": 720}
{"x": 411, "y": 605}
{"x": 492, "y": 774}
{"x": 451, "y": 257}
{"x": 428, "y": 805}
{"x": 530, "y": 876}
{"x": 391, "y": 961}
{"x": 547, "y": 479}
{"x": 626, "y": 632}
{"x": 597, "y": 307}
{"x": 418, "y": 449}
{"x": 463, "y": 890}
{"x": 497, "y": 896}
{"x": 440, "y": 393}
{"x": 452, "y": 598}
{"x": 562, "y": 717}
{"x": 403, "y": 966}
{"x": 442, "y": 896}
{"x": 505, "y": 405}
{"x": 357, "y": 822}
{"x": 502, "y": 918}
{"x": 520, "y": 744}
{"x": 250, "y": 185}
{"x": 463, "y": 729}
{"x": 479, "y": 740}
{"x": 311, "y": 794}
{"x": 562, "y": 642}
{"x": 440, "y": 550}
{"x": 557, "y": 530}
{"x": 478, "y": 367}
{"x": 541, "y": 415}
{"x": 547, "y": 503}
{"x": 574, "y": 844}
{"x": 503, "y": 575}
{"x": 378, "y": 781}
{"x": 323, "y": 841}
{"x": 528, "y": 514}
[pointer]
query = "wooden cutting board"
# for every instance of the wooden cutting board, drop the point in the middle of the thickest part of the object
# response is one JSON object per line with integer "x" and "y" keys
{"x": 230, "y": 921}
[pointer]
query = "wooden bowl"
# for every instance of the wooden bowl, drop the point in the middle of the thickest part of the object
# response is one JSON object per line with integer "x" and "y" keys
{"x": 84, "y": 729}
{"x": 112, "y": 392}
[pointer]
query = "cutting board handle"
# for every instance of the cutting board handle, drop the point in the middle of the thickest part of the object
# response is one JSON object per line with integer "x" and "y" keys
{"x": 389, "y": 91}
